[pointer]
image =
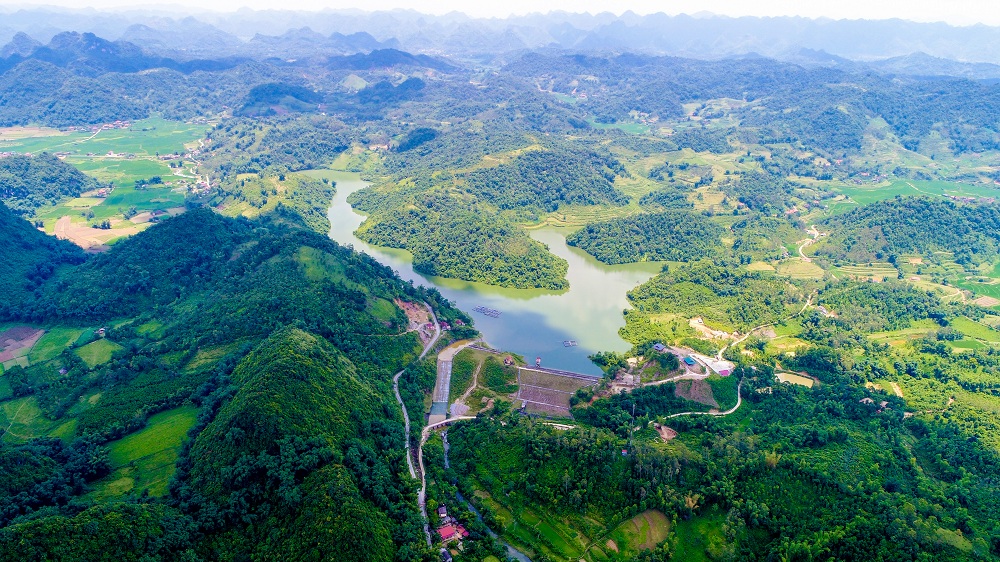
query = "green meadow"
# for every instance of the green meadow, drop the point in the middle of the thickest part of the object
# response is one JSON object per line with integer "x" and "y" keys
{"x": 97, "y": 353}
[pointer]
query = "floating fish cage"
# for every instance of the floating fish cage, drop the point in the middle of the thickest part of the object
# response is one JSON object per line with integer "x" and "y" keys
{"x": 491, "y": 312}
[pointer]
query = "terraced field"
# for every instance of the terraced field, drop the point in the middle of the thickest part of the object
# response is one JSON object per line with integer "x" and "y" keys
{"x": 876, "y": 271}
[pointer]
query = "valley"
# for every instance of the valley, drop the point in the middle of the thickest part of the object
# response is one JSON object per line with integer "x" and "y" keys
{"x": 395, "y": 296}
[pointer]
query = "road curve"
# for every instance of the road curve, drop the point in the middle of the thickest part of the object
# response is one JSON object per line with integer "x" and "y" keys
{"x": 399, "y": 398}
{"x": 422, "y": 495}
{"x": 739, "y": 400}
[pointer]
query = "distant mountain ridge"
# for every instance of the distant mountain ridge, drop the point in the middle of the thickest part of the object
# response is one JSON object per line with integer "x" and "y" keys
{"x": 88, "y": 54}
{"x": 922, "y": 64}
{"x": 298, "y": 35}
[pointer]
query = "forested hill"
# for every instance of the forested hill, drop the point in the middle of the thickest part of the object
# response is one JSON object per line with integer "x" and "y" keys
{"x": 451, "y": 238}
{"x": 915, "y": 225}
{"x": 29, "y": 182}
{"x": 544, "y": 180}
{"x": 283, "y": 344}
{"x": 304, "y": 434}
{"x": 667, "y": 236}
{"x": 29, "y": 257}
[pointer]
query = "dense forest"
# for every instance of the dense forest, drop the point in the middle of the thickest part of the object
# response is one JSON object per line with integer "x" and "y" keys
{"x": 886, "y": 230}
{"x": 667, "y": 236}
{"x": 554, "y": 179}
{"x": 452, "y": 240}
{"x": 29, "y": 182}
{"x": 30, "y": 258}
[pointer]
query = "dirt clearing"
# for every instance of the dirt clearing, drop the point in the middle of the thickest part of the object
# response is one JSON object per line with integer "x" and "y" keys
{"x": 696, "y": 391}
{"x": 415, "y": 313}
{"x": 89, "y": 238}
{"x": 986, "y": 301}
{"x": 665, "y": 432}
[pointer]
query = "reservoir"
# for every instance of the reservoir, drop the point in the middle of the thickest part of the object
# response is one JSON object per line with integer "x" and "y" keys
{"x": 533, "y": 322}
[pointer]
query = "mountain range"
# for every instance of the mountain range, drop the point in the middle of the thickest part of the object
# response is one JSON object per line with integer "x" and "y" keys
{"x": 293, "y": 35}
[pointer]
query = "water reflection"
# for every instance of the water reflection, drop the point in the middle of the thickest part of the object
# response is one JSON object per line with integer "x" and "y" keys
{"x": 534, "y": 322}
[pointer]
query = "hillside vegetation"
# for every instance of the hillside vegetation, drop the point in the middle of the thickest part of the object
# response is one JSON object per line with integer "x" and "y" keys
{"x": 29, "y": 182}
{"x": 914, "y": 225}
{"x": 667, "y": 236}
{"x": 285, "y": 341}
{"x": 29, "y": 257}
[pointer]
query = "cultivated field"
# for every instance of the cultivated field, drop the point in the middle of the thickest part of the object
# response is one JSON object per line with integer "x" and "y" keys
{"x": 146, "y": 459}
{"x": 97, "y": 353}
{"x": 119, "y": 157}
{"x": 876, "y": 271}
{"x": 15, "y": 343}
{"x": 798, "y": 268}
{"x": 22, "y": 420}
{"x": 642, "y": 532}
{"x": 144, "y": 138}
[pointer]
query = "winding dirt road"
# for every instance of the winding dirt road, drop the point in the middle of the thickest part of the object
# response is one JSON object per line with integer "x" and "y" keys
{"x": 739, "y": 400}
{"x": 402, "y": 406}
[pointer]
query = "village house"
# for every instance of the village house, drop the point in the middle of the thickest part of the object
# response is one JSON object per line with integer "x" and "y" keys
{"x": 452, "y": 532}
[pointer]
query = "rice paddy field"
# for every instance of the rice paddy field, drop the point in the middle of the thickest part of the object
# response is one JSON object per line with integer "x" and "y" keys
{"x": 857, "y": 195}
{"x": 876, "y": 271}
{"x": 897, "y": 338}
{"x": 628, "y": 127}
{"x": 147, "y": 137}
{"x": 976, "y": 331}
{"x": 577, "y": 536}
{"x": 985, "y": 288}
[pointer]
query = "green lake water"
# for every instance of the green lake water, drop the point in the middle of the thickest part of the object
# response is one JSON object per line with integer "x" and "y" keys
{"x": 535, "y": 322}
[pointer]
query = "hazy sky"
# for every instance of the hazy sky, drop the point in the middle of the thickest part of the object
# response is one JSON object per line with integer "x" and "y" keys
{"x": 957, "y": 12}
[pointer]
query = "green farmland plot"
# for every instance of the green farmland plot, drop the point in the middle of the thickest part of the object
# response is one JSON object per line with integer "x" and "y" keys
{"x": 53, "y": 342}
{"x": 121, "y": 172}
{"x": 975, "y": 330}
{"x": 22, "y": 420}
{"x": 119, "y": 157}
{"x": 146, "y": 459}
{"x": 144, "y": 138}
{"x": 865, "y": 194}
{"x": 97, "y": 353}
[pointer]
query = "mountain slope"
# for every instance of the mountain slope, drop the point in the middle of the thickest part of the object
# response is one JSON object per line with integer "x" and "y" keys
{"x": 29, "y": 257}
